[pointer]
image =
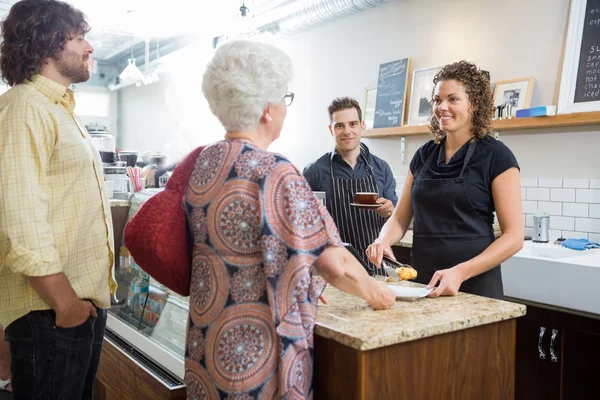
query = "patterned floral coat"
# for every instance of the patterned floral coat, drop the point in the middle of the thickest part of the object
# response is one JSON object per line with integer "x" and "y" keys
{"x": 257, "y": 230}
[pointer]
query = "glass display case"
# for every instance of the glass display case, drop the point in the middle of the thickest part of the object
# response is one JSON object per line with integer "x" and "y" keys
{"x": 146, "y": 316}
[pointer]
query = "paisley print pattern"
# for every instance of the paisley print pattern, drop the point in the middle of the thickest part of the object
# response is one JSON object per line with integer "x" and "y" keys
{"x": 235, "y": 222}
{"x": 274, "y": 253}
{"x": 196, "y": 344}
{"x": 257, "y": 230}
{"x": 198, "y": 384}
{"x": 209, "y": 286}
{"x": 240, "y": 397}
{"x": 271, "y": 390}
{"x": 200, "y": 223}
{"x": 241, "y": 348}
{"x": 210, "y": 171}
{"x": 248, "y": 284}
{"x": 292, "y": 209}
{"x": 254, "y": 165}
{"x": 296, "y": 372}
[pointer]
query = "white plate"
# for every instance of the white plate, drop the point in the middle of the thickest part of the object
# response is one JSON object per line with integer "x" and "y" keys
{"x": 410, "y": 293}
{"x": 366, "y": 206}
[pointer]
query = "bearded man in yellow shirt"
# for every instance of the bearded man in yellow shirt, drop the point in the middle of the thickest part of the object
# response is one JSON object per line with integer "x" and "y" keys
{"x": 56, "y": 248}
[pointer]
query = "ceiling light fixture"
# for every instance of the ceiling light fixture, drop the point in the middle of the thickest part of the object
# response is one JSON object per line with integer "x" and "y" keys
{"x": 131, "y": 71}
{"x": 243, "y": 9}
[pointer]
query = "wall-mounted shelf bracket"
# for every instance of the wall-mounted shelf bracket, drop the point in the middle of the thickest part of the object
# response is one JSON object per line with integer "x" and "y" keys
{"x": 402, "y": 149}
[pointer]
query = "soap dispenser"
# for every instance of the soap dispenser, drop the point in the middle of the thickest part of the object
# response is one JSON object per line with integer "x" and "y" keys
{"x": 541, "y": 226}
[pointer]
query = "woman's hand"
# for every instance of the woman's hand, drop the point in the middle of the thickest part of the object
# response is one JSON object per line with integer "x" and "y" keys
{"x": 376, "y": 251}
{"x": 449, "y": 280}
{"x": 381, "y": 297}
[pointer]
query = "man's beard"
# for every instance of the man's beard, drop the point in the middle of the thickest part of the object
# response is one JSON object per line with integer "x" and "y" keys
{"x": 71, "y": 65}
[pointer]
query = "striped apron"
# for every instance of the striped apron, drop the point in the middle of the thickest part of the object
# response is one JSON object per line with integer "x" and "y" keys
{"x": 357, "y": 227}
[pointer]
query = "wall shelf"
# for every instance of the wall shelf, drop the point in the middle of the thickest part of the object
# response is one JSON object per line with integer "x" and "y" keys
{"x": 513, "y": 124}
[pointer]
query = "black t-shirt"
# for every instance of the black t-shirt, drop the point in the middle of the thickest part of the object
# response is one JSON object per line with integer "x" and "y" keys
{"x": 490, "y": 159}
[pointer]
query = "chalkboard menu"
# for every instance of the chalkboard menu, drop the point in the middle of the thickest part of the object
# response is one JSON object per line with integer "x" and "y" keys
{"x": 391, "y": 94}
{"x": 587, "y": 87}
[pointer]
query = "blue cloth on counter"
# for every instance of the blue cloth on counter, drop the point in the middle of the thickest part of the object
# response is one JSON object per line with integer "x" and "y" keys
{"x": 580, "y": 244}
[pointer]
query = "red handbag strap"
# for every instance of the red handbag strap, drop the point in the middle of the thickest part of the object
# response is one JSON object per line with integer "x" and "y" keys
{"x": 181, "y": 175}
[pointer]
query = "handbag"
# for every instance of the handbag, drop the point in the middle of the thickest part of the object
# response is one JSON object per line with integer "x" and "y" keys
{"x": 158, "y": 237}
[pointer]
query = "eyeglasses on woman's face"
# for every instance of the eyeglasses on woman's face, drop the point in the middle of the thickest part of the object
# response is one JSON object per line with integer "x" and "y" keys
{"x": 289, "y": 98}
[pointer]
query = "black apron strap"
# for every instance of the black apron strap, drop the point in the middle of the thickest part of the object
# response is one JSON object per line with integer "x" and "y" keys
{"x": 433, "y": 154}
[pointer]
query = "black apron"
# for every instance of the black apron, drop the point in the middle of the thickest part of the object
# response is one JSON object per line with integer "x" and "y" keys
{"x": 448, "y": 230}
{"x": 357, "y": 227}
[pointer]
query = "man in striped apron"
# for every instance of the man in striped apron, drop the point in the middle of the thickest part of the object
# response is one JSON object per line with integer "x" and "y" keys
{"x": 349, "y": 169}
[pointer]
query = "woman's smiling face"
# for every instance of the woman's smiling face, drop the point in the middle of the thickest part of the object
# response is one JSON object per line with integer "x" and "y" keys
{"x": 452, "y": 108}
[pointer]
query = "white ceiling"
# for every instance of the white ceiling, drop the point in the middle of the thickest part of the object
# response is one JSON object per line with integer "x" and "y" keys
{"x": 115, "y": 22}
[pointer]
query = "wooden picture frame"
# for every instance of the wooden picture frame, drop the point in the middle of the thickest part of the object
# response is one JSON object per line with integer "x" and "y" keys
{"x": 517, "y": 92}
{"x": 581, "y": 62}
{"x": 369, "y": 107}
{"x": 419, "y": 110}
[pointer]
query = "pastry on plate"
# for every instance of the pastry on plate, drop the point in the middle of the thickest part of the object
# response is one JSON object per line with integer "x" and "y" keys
{"x": 404, "y": 274}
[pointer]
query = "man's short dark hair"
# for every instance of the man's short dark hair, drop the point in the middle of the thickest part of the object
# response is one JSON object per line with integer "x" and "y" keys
{"x": 33, "y": 31}
{"x": 343, "y": 103}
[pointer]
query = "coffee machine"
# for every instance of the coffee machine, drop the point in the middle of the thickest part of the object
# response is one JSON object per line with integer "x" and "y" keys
{"x": 114, "y": 170}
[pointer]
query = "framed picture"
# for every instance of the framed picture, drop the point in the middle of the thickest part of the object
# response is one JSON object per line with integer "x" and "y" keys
{"x": 369, "y": 106}
{"x": 516, "y": 92}
{"x": 580, "y": 81}
{"x": 420, "y": 96}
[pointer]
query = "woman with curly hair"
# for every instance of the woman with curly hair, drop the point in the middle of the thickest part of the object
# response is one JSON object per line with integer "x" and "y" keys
{"x": 455, "y": 183}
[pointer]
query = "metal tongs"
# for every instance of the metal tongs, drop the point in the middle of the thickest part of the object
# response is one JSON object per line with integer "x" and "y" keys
{"x": 389, "y": 266}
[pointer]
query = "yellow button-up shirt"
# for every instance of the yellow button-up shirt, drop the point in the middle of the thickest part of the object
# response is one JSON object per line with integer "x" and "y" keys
{"x": 54, "y": 213}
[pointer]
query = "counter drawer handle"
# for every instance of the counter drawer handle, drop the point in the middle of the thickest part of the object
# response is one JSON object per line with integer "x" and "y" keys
{"x": 553, "y": 355}
{"x": 541, "y": 353}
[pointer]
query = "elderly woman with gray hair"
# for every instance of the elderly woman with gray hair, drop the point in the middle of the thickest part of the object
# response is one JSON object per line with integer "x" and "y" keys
{"x": 258, "y": 231}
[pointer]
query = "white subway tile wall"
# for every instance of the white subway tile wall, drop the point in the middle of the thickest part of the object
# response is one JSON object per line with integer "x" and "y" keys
{"x": 529, "y": 207}
{"x": 562, "y": 223}
{"x": 576, "y": 183}
{"x": 587, "y": 196}
{"x": 554, "y": 234}
{"x": 552, "y": 208}
{"x": 594, "y": 211}
{"x": 573, "y": 205}
{"x": 550, "y": 183}
{"x": 591, "y": 225}
{"x": 575, "y": 235}
{"x": 562, "y": 195}
{"x": 399, "y": 184}
{"x": 538, "y": 194}
{"x": 575, "y": 209}
{"x": 529, "y": 182}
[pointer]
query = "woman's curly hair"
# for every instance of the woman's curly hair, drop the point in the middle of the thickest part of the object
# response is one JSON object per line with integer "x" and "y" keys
{"x": 33, "y": 31}
{"x": 477, "y": 86}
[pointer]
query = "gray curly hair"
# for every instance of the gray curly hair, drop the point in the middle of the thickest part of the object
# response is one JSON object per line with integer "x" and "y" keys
{"x": 242, "y": 78}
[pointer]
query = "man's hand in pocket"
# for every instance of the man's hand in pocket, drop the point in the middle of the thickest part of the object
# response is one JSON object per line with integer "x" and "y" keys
{"x": 76, "y": 314}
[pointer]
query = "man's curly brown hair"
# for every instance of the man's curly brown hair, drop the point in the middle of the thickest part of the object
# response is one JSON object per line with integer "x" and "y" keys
{"x": 33, "y": 31}
{"x": 477, "y": 86}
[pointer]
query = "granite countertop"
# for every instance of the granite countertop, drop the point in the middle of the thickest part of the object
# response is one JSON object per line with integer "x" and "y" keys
{"x": 119, "y": 203}
{"x": 351, "y": 322}
{"x": 407, "y": 240}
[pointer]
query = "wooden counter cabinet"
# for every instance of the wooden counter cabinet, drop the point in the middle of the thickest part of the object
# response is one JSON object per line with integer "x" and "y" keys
{"x": 558, "y": 355}
{"x": 460, "y": 347}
